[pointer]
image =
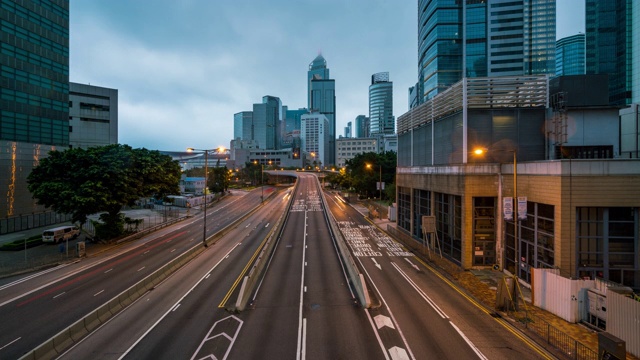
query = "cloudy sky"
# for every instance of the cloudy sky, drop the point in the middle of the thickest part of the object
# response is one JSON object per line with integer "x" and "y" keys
{"x": 183, "y": 68}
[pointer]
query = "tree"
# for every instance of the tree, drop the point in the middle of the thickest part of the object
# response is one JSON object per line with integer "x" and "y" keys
{"x": 218, "y": 179}
{"x": 364, "y": 179}
{"x": 82, "y": 182}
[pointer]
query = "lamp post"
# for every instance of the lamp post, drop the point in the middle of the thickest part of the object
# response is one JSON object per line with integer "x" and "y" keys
{"x": 369, "y": 166}
{"x": 261, "y": 181}
{"x": 204, "y": 190}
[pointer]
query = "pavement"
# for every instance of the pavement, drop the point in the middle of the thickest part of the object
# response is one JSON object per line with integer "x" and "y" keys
{"x": 482, "y": 285}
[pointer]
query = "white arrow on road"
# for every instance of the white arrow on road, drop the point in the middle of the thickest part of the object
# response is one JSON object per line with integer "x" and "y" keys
{"x": 382, "y": 320}
{"x": 398, "y": 353}
{"x": 375, "y": 262}
{"x": 412, "y": 264}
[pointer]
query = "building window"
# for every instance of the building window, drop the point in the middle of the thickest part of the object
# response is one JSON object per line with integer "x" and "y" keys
{"x": 536, "y": 245}
{"x": 606, "y": 240}
{"x": 484, "y": 232}
{"x": 448, "y": 213}
{"x": 404, "y": 208}
{"x": 421, "y": 207}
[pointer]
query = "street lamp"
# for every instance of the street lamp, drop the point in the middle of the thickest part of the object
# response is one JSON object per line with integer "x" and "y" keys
{"x": 204, "y": 190}
{"x": 261, "y": 181}
{"x": 369, "y": 166}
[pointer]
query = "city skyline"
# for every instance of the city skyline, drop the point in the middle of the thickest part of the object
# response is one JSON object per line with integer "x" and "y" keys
{"x": 180, "y": 83}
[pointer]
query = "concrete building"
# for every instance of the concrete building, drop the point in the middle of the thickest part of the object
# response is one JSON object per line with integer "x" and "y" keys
{"x": 630, "y": 132}
{"x": 315, "y": 138}
{"x": 93, "y": 116}
{"x": 348, "y": 148}
{"x": 381, "y": 119}
{"x": 563, "y": 207}
{"x": 570, "y": 58}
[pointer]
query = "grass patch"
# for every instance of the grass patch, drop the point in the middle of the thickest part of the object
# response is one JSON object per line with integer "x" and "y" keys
{"x": 20, "y": 244}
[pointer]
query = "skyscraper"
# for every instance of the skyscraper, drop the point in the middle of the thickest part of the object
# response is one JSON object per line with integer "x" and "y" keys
{"x": 35, "y": 72}
{"x": 243, "y": 125}
{"x": 266, "y": 122}
{"x": 608, "y": 45}
{"x": 381, "y": 117}
{"x": 482, "y": 38}
{"x": 322, "y": 98}
{"x": 570, "y": 59}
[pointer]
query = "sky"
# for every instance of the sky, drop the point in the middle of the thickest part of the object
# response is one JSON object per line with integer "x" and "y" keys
{"x": 183, "y": 68}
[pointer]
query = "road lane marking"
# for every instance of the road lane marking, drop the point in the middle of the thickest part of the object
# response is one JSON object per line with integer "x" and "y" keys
{"x": 382, "y": 320}
{"x": 33, "y": 276}
{"x": 299, "y": 354}
{"x": 420, "y": 292}
{"x": 62, "y": 293}
{"x": 243, "y": 272}
{"x": 398, "y": 353}
{"x": 10, "y": 343}
{"x": 377, "y": 265}
{"x": 145, "y": 253}
{"x": 108, "y": 270}
{"x": 473, "y": 347}
{"x": 231, "y": 339}
{"x": 175, "y": 307}
{"x": 99, "y": 292}
{"x": 141, "y": 268}
{"x": 173, "y": 250}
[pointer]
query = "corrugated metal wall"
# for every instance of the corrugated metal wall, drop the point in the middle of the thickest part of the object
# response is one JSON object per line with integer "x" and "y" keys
{"x": 558, "y": 295}
{"x": 623, "y": 320}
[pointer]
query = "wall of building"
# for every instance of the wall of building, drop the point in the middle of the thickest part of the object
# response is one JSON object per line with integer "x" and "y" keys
{"x": 93, "y": 115}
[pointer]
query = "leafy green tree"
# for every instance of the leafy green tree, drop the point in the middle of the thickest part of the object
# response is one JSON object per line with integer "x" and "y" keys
{"x": 364, "y": 178}
{"x": 218, "y": 179}
{"x": 82, "y": 182}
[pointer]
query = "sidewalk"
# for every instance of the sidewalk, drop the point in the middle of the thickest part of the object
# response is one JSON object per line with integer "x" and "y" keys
{"x": 482, "y": 285}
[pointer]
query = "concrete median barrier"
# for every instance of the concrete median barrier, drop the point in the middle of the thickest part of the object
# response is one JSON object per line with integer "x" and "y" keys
{"x": 91, "y": 321}
{"x": 103, "y": 313}
{"x": 77, "y": 331}
{"x": 62, "y": 341}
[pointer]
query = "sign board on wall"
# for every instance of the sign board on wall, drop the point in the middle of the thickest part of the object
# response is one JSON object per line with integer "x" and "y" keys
{"x": 507, "y": 208}
{"x": 522, "y": 207}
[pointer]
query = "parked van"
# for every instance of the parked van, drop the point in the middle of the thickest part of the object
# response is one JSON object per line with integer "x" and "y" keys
{"x": 61, "y": 233}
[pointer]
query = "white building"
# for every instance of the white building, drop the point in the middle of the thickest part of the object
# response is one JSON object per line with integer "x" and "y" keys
{"x": 314, "y": 136}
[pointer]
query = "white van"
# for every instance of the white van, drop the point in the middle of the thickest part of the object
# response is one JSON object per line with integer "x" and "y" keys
{"x": 61, "y": 233}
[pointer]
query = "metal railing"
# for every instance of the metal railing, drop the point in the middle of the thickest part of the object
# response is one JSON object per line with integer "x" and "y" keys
{"x": 555, "y": 337}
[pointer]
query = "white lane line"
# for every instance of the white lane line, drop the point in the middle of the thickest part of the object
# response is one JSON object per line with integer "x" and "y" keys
{"x": 206, "y": 277}
{"x": 108, "y": 270}
{"x": 173, "y": 250}
{"x": 146, "y": 252}
{"x": 99, "y": 292}
{"x": 62, "y": 293}
{"x": 375, "y": 331}
{"x": 473, "y": 347}
{"x": 124, "y": 354}
{"x": 304, "y": 339}
{"x": 299, "y": 354}
{"x": 26, "y": 278}
{"x": 175, "y": 307}
{"x": 141, "y": 268}
{"x": 10, "y": 343}
{"x": 420, "y": 292}
{"x": 267, "y": 225}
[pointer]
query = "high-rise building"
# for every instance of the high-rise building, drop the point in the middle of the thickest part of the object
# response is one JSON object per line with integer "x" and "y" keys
{"x": 243, "y": 125}
{"x": 322, "y": 98}
{"x": 93, "y": 116}
{"x": 362, "y": 126}
{"x": 381, "y": 117}
{"x": 34, "y": 100}
{"x": 570, "y": 59}
{"x": 482, "y": 38}
{"x": 608, "y": 45}
{"x": 635, "y": 67}
{"x": 293, "y": 118}
{"x": 348, "y": 130}
{"x": 314, "y": 137}
{"x": 35, "y": 72}
{"x": 266, "y": 122}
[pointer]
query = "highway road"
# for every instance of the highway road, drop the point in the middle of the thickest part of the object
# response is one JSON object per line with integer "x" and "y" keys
{"x": 436, "y": 319}
{"x": 36, "y": 307}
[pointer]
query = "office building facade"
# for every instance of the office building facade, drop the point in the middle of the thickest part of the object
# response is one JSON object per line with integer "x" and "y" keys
{"x": 243, "y": 125}
{"x": 570, "y": 58}
{"x": 482, "y": 38}
{"x": 361, "y": 126}
{"x": 266, "y": 122}
{"x": 381, "y": 119}
{"x": 93, "y": 116}
{"x": 609, "y": 45}
{"x": 322, "y": 99}
{"x": 34, "y": 102}
{"x": 314, "y": 137}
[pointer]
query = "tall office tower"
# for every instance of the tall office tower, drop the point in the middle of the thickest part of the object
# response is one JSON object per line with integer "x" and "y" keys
{"x": 635, "y": 67}
{"x": 34, "y": 98}
{"x": 348, "y": 130}
{"x": 266, "y": 122}
{"x": 243, "y": 125}
{"x": 482, "y": 38}
{"x": 381, "y": 119}
{"x": 608, "y": 45}
{"x": 361, "y": 127}
{"x": 35, "y": 72}
{"x": 570, "y": 59}
{"x": 322, "y": 98}
{"x": 314, "y": 138}
{"x": 292, "y": 119}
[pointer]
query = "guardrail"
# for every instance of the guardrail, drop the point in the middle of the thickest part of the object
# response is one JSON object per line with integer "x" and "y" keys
{"x": 250, "y": 281}
{"x": 356, "y": 278}
{"x": 90, "y": 322}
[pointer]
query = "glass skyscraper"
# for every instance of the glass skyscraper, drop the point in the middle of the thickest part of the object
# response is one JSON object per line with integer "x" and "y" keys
{"x": 608, "y": 45}
{"x": 381, "y": 119}
{"x": 570, "y": 59}
{"x": 322, "y": 98}
{"x": 478, "y": 38}
{"x": 266, "y": 120}
{"x": 35, "y": 71}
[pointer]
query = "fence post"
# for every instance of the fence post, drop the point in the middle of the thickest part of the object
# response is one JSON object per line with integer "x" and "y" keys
{"x": 548, "y": 333}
